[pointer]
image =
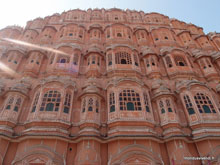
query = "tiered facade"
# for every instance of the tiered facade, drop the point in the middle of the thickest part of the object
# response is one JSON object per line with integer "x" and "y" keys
{"x": 109, "y": 87}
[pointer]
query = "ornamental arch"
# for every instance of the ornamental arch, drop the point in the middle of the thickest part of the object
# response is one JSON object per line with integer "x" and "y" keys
{"x": 136, "y": 154}
{"x": 42, "y": 155}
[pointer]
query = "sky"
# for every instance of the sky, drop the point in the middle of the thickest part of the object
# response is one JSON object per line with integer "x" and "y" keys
{"x": 202, "y": 13}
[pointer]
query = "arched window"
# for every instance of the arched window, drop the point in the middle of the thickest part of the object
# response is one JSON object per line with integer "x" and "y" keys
{"x": 208, "y": 62}
{"x": 67, "y": 103}
{"x": 97, "y": 106}
{"x": 169, "y": 62}
{"x": 189, "y": 105}
{"x": 93, "y": 59}
{"x": 98, "y": 61}
{"x": 146, "y": 102}
{"x": 180, "y": 61}
{"x": 162, "y": 109}
{"x": 17, "y": 105}
{"x": 112, "y": 102}
{"x": 123, "y": 58}
{"x": 129, "y": 100}
{"x": 9, "y": 103}
{"x": 136, "y": 60}
{"x": 35, "y": 102}
{"x": 84, "y": 105}
{"x": 152, "y": 61}
{"x": 75, "y": 59}
{"x": 51, "y": 101}
{"x": 90, "y": 104}
{"x": 109, "y": 59}
{"x": 204, "y": 104}
{"x": 88, "y": 60}
{"x": 168, "y": 105}
{"x": 147, "y": 63}
{"x": 203, "y": 64}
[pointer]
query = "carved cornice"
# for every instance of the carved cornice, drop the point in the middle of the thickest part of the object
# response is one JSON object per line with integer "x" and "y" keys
{"x": 66, "y": 81}
{"x": 188, "y": 83}
{"x": 116, "y": 81}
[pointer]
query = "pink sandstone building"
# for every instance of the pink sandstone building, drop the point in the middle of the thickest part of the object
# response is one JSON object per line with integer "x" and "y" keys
{"x": 109, "y": 87}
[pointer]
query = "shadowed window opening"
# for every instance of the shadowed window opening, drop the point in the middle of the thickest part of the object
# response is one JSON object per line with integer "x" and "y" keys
{"x": 119, "y": 35}
{"x": 123, "y": 61}
{"x": 63, "y": 61}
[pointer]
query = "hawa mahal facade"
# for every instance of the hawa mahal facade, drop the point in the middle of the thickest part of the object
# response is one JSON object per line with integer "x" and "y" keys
{"x": 109, "y": 87}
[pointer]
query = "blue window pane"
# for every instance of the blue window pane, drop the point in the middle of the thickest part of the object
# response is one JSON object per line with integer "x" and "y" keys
{"x": 90, "y": 108}
{"x": 147, "y": 109}
{"x": 49, "y": 107}
{"x": 33, "y": 109}
{"x": 162, "y": 110}
{"x": 130, "y": 106}
{"x": 170, "y": 110}
{"x": 63, "y": 61}
{"x": 191, "y": 111}
{"x": 8, "y": 107}
{"x": 66, "y": 110}
{"x": 16, "y": 109}
{"x": 206, "y": 109}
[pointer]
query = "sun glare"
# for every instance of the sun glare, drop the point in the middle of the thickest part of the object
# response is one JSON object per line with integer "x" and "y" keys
{"x": 35, "y": 46}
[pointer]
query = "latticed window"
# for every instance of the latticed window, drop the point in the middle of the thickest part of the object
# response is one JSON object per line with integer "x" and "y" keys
{"x": 17, "y": 104}
{"x": 146, "y": 102}
{"x": 35, "y": 102}
{"x": 180, "y": 61}
{"x": 109, "y": 59}
{"x": 168, "y": 105}
{"x": 129, "y": 100}
{"x": 67, "y": 103}
{"x": 135, "y": 60}
{"x": 189, "y": 105}
{"x": 9, "y": 103}
{"x": 75, "y": 59}
{"x": 84, "y": 105}
{"x": 112, "y": 102}
{"x": 168, "y": 61}
{"x": 204, "y": 104}
{"x": 97, "y": 106}
{"x": 162, "y": 109}
{"x": 90, "y": 104}
{"x": 51, "y": 101}
{"x": 123, "y": 58}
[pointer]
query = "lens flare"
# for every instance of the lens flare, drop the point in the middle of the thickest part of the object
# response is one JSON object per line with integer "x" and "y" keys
{"x": 34, "y": 46}
{"x": 8, "y": 70}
